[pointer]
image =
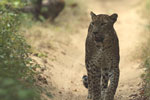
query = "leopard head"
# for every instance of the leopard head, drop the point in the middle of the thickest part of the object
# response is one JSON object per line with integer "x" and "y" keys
{"x": 102, "y": 26}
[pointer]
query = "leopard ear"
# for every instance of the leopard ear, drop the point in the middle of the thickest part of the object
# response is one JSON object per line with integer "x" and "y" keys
{"x": 114, "y": 17}
{"x": 93, "y": 16}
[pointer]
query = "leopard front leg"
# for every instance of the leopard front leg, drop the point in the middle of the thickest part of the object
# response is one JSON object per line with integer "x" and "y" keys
{"x": 90, "y": 85}
{"x": 114, "y": 79}
{"x": 96, "y": 80}
{"x": 105, "y": 79}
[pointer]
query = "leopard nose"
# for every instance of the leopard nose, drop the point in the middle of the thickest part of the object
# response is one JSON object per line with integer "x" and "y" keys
{"x": 95, "y": 33}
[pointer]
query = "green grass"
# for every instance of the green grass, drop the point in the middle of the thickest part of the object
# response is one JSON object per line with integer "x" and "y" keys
{"x": 146, "y": 55}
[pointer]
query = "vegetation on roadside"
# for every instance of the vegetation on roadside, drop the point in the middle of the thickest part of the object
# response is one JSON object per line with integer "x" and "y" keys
{"x": 146, "y": 56}
{"x": 17, "y": 75}
{"x": 17, "y": 67}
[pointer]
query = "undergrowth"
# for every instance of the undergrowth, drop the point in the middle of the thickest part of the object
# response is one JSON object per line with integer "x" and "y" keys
{"x": 17, "y": 80}
{"x": 146, "y": 56}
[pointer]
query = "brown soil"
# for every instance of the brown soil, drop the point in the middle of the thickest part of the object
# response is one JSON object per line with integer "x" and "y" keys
{"x": 65, "y": 62}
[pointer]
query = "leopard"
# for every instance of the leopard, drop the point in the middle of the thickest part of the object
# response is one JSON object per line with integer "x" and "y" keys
{"x": 102, "y": 57}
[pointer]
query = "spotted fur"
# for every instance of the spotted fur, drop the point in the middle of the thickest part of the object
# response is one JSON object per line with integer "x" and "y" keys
{"x": 102, "y": 57}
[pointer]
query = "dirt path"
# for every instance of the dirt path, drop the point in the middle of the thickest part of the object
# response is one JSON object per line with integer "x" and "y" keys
{"x": 68, "y": 74}
{"x": 67, "y": 68}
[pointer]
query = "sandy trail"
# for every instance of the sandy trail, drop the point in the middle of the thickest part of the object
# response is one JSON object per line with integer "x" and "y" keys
{"x": 68, "y": 67}
{"x": 68, "y": 75}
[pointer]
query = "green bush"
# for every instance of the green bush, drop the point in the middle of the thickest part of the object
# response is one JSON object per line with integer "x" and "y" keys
{"x": 11, "y": 89}
{"x": 16, "y": 67}
{"x": 146, "y": 57}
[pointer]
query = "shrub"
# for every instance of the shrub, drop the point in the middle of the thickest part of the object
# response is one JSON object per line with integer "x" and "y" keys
{"x": 16, "y": 67}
